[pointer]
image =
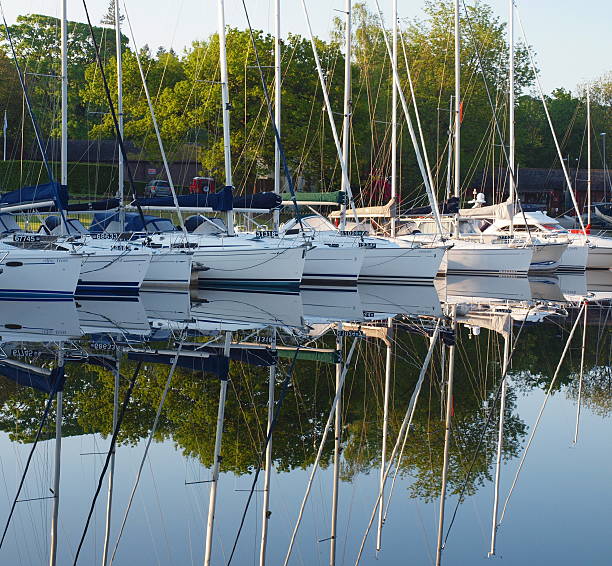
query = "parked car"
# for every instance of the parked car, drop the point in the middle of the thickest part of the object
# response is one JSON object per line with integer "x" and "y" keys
{"x": 202, "y": 185}
{"x": 157, "y": 188}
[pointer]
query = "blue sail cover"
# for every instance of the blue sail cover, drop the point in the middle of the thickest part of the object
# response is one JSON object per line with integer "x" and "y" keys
{"x": 133, "y": 222}
{"x": 37, "y": 193}
{"x": 220, "y": 201}
{"x": 31, "y": 378}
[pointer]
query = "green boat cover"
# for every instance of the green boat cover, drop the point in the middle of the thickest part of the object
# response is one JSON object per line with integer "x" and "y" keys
{"x": 334, "y": 196}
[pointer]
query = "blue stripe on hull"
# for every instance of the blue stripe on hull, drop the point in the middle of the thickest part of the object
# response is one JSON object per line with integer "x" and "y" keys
{"x": 249, "y": 284}
{"x": 35, "y": 295}
{"x": 106, "y": 288}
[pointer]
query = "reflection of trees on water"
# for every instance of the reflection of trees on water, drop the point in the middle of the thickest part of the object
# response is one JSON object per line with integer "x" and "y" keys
{"x": 190, "y": 410}
{"x": 596, "y": 390}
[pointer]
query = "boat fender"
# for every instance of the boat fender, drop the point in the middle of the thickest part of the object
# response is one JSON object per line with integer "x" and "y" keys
{"x": 200, "y": 267}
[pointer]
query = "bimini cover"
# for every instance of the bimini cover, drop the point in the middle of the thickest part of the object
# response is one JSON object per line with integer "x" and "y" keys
{"x": 220, "y": 201}
{"x": 37, "y": 193}
{"x": 217, "y": 365}
{"x": 30, "y": 376}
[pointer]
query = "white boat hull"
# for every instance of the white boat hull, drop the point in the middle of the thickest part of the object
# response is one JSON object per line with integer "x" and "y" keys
{"x": 249, "y": 267}
{"x": 28, "y": 275}
{"x": 599, "y": 253}
{"x": 476, "y": 258}
{"x": 112, "y": 272}
{"x": 547, "y": 257}
{"x": 168, "y": 268}
{"x": 332, "y": 265}
{"x": 575, "y": 257}
{"x": 400, "y": 265}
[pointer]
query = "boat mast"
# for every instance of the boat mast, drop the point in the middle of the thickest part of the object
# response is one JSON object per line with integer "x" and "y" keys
{"x": 346, "y": 125}
{"x": 511, "y": 159}
{"x": 120, "y": 163}
{"x": 588, "y": 97}
{"x": 226, "y": 108}
{"x": 111, "y": 470}
{"x": 500, "y": 440}
{"x": 266, "y": 493}
{"x": 59, "y": 403}
{"x": 457, "y": 180}
{"x": 64, "y": 95}
{"x": 217, "y": 455}
{"x": 447, "y": 431}
{"x": 277, "y": 107}
{"x": 383, "y": 455}
{"x": 337, "y": 443}
{"x": 64, "y": 181}
{"x": 394, "y": 123}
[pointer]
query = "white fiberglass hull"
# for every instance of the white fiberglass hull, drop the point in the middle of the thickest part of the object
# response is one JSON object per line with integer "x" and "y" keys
{"x": 168, "y": 268}
{"x": 576, "y": 256}
{"x": 28, "y": 275}
{"x": 400, "y": 265}
{"x": 477, "y": 258}
{"x": 249, "y": 266}
{"x": 326, "y": 264}
{"x": 112, "y": 272}
{"x": 599, "y": 253}
{"x": 547, "y": 256}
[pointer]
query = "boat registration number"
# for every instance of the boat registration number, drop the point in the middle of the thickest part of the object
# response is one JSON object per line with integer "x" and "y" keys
{"x": 266, "y": 233}
{"x": 26, "y": 238}
{"x": 351, "y": 333}
{"x": 368, "y": 245}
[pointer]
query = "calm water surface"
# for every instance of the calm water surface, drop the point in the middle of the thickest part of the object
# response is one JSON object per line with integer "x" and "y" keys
{"x": 557, "y": 513}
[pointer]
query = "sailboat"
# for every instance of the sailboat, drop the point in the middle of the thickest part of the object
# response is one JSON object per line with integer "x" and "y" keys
{"x": 220, "y": 255}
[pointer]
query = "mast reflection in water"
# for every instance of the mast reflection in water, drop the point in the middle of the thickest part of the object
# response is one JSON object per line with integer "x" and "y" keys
{"x": 182, "y": 414}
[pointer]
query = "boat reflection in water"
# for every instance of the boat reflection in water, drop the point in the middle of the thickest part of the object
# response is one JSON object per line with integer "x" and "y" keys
{"x": 421, "y": 387}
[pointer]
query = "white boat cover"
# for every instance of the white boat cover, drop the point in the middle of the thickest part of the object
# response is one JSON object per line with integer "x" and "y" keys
{"x": 384, "y": 211}
{"x": 501, "y": 211}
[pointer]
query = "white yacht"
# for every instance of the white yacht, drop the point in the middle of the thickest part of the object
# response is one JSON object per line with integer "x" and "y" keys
{"x": 385, "y": 260}
{"x": 471, "y": 253}
{"x": 543, "y": 228}
{"x": 243, "y": 259}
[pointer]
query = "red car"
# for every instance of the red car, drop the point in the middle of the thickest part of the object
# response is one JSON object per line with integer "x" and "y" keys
{"x": 202, "y": 185}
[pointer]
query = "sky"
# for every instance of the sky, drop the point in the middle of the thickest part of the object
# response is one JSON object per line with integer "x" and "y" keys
{"x": 571, "y": 39}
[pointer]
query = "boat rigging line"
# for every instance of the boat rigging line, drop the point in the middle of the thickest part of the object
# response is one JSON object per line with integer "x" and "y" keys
{"x": 155, "y": 125}
{"x": 113, "y": 113}
{"x": 262, "y": 456}
{"x": 404, "y": 429}
{"x": 279, "y": 143}
{"x": 28, "y": 103}
{"x": 147, "y": 446}
{"x": 111, "y": 451}
{"x": 58, "y": 382}
{"x": 321, "y": 446}
{"x": 541, "y": 412}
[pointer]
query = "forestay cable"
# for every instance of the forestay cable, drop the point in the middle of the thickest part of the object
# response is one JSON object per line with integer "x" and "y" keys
{"x": 537, "y": 422}
{"x": 147, "y": 446}
{"x": 320, "y": 451}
